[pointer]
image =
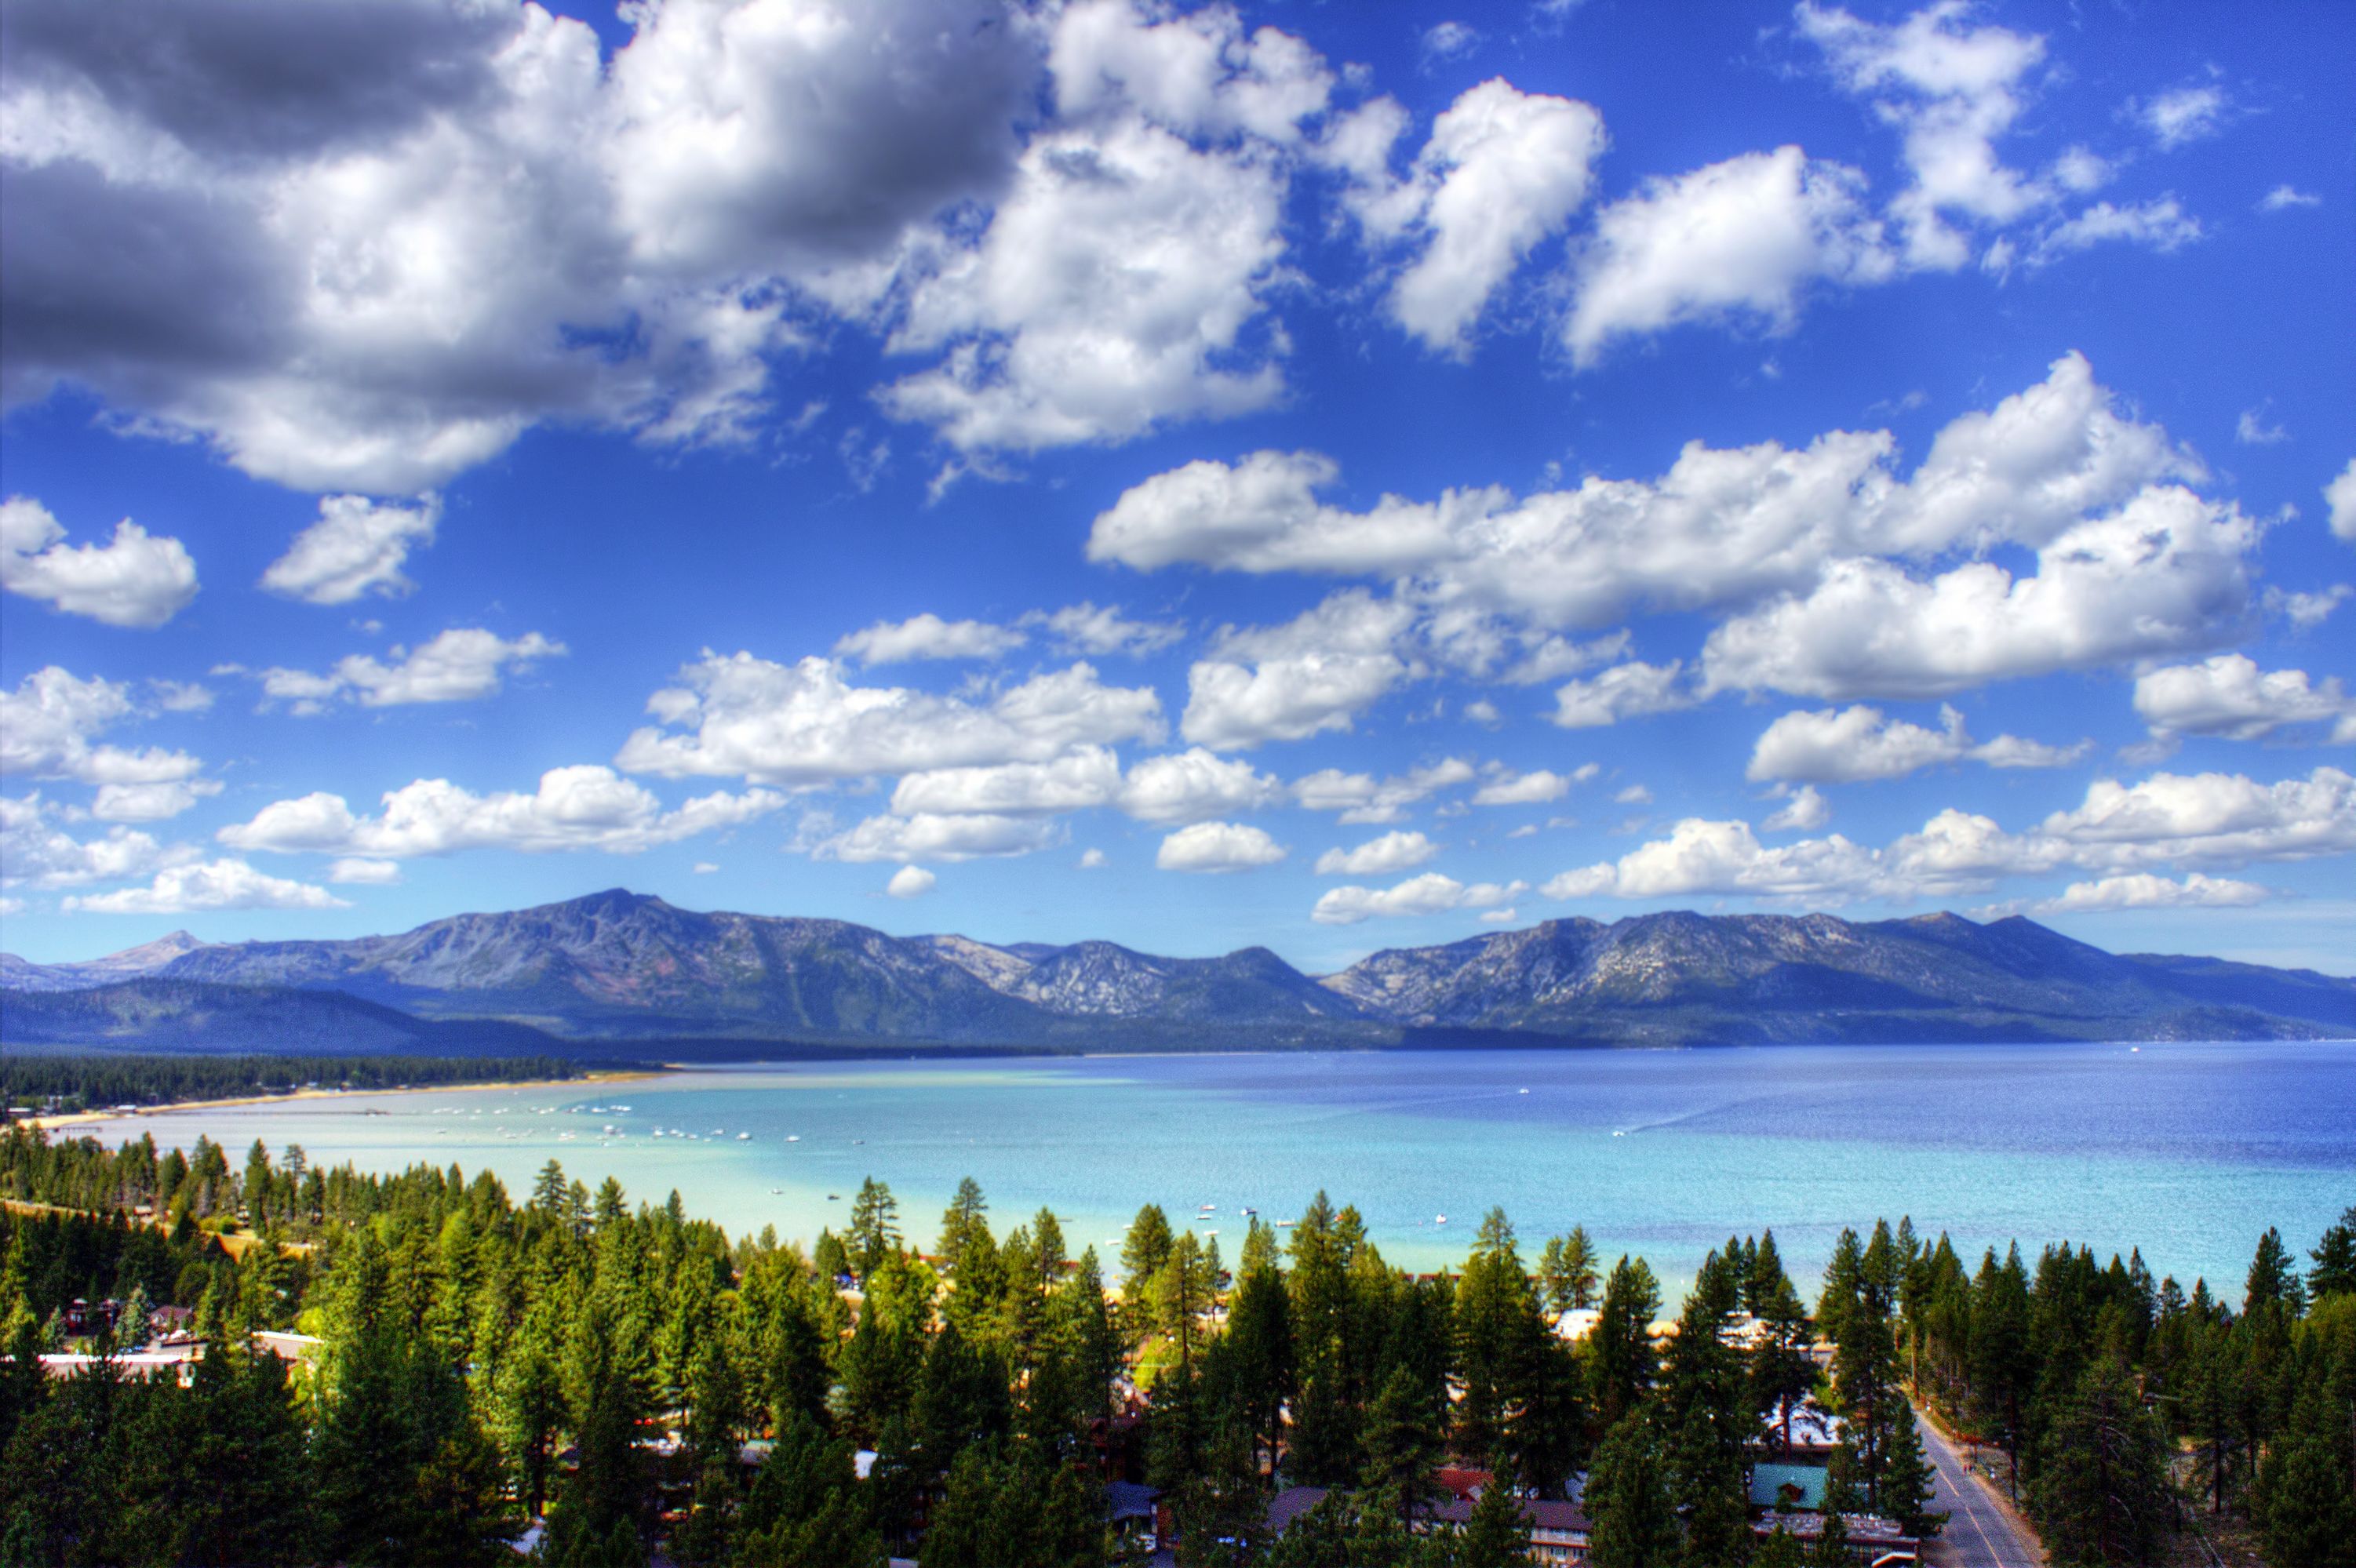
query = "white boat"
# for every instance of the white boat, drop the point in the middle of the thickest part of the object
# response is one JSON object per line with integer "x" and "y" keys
{"x": 1442, "y": 1220}
{"x": 742, "y": 1137}
{"x": 793, "y": 1137}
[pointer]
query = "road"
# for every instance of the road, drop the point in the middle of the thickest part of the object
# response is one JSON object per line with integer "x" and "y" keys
{"x": 1979, "y": 1533}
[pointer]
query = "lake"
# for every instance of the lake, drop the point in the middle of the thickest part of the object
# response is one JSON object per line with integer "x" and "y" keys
{"x": 2188, "y": 1151}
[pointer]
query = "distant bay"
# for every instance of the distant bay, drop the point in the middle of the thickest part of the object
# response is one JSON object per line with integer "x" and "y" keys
{"x": 2187, "y": 1150}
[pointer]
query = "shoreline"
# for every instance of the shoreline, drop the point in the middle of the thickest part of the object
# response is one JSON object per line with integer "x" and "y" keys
{"x": 98, "y": 1118}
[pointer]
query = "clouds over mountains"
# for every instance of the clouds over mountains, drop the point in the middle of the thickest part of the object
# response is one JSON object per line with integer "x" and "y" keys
{"x": 1129, "y": 272}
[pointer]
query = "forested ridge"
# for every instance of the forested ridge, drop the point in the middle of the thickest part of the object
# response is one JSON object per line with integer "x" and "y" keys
{"x": 647, "y": 1383}
{"x": 82, "y": 1082}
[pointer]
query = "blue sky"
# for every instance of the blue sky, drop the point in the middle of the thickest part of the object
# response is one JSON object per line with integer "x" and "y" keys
{"x": 1323, "y": 476}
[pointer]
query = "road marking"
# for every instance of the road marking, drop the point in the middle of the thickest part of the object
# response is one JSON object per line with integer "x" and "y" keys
{"x": 1968, "y": 1495}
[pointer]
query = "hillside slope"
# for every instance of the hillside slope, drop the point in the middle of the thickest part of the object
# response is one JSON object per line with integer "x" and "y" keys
{"x": 618, "y": 966}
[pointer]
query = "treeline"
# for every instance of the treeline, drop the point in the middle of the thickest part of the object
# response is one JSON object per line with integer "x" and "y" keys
{"x": 647, "y": 1383}
{"x": 85, "y": 1082}
{"x": 2120, "y": 1398}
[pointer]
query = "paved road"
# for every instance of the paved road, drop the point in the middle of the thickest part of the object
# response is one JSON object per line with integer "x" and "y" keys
{"x": 1980, "y": 1534}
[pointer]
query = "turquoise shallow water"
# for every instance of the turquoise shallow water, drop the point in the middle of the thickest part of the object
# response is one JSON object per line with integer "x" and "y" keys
{"x": 2187, "y": 1150}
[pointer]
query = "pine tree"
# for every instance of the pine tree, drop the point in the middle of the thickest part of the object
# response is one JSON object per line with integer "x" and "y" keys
{"x": 1003, "y": 1509}
{"x": 2310, "y": 1515}
{"x": 1567, "y": 1273}
{"x": 1401, "y": 1444}
{"x": 130, "y": 1331}
{"x": 1259, "y": 1339}
{"x": 1499, "y": 1333}
{"x": 1624, "y": 1361}
{"x": 1144, "y": 1250}
{"x": 805, "y": 1509}
{"x": 2334, "y": 1260}
{"x": 2274, "y": 1279}
{"x": 548, "y": 1190}
{"x": 1180, "y": 1292}
{"x": 1220, "y": 1506}
{"x": 1780, "y": 1372}
{"x": 874, "y": 1227}
{"x": 1497, "y": 1535}
{"x": 1706, "y": 1410}
{"x": 1634, "y": 1521}
{"x": 2101, "y": 1494}
{"x": 1907, "y": 1478}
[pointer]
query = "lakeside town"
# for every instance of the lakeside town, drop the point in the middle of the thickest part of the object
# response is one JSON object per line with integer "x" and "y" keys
{"x": 369, "y": 1367}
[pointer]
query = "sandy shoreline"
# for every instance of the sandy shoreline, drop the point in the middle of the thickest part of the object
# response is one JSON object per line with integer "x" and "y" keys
{"x": 96, "y": 1118}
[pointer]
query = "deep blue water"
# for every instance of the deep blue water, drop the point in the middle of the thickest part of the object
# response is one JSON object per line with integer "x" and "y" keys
{"x": 2188, "y": 1151}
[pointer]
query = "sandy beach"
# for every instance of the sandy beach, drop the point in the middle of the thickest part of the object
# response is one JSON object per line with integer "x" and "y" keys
{"x": 96, "y": 1118}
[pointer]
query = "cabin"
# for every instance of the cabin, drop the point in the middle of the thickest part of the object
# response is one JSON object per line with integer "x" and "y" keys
{"x": 1136, "y": 1516}
{"x": 1558, "y": 1530}
{"x": 1873, "y": 1542}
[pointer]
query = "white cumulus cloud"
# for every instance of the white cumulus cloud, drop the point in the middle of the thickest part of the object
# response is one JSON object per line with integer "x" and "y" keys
{"x": 35, "y": 852}
{"x": 210, "y": 885}
{"x": 2228, "y": 695}
{"x": 1952, "y": 90}
{"x": 2141, "y": 890}
{"x": 461, "y": 665}
{"x": 1847, "y": 745}
{"x": 927, "y": 636}
{"x": 1196, "y": 784}
{"x": 1720, "y": 528}
{"x": 2165, "y": 573}
{"x": 1507, "y": 787}
{"x": 358, "y": 547}
{"x": 1631, "y": 690}
{"x": 579, "y": 807}
{"x": 1503, "y": 169}
{"x": 1396, "y": 851}
{"x": 1217, "y": 846}
{"x": 1315, "y": 673}
{"x": 2165, "y": 822}
{"x": 1431, "y": 894}
{"x": 910, "y": 881}
{"x": 1085, "y": 628}
{"x": 1741, "y": 240}
{"x": 803, "y": 724}
{"x": 1805, "y": 811}
{"x": 1362, "y": 799}
{"x": 136, "y": 578}
{"x": 2340, "y": 498}
{"x": 2184, "y": 114}
{"x": 48, "y": 725}
{"x": 927, "y": 837}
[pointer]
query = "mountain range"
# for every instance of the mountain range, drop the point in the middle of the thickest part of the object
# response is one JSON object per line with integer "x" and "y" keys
{"x": 618, "y": 966}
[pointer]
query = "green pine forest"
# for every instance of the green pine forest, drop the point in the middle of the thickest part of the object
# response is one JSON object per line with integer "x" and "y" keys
{"x": 79, "y": 1083}
{"x": 490, "y": 1358}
